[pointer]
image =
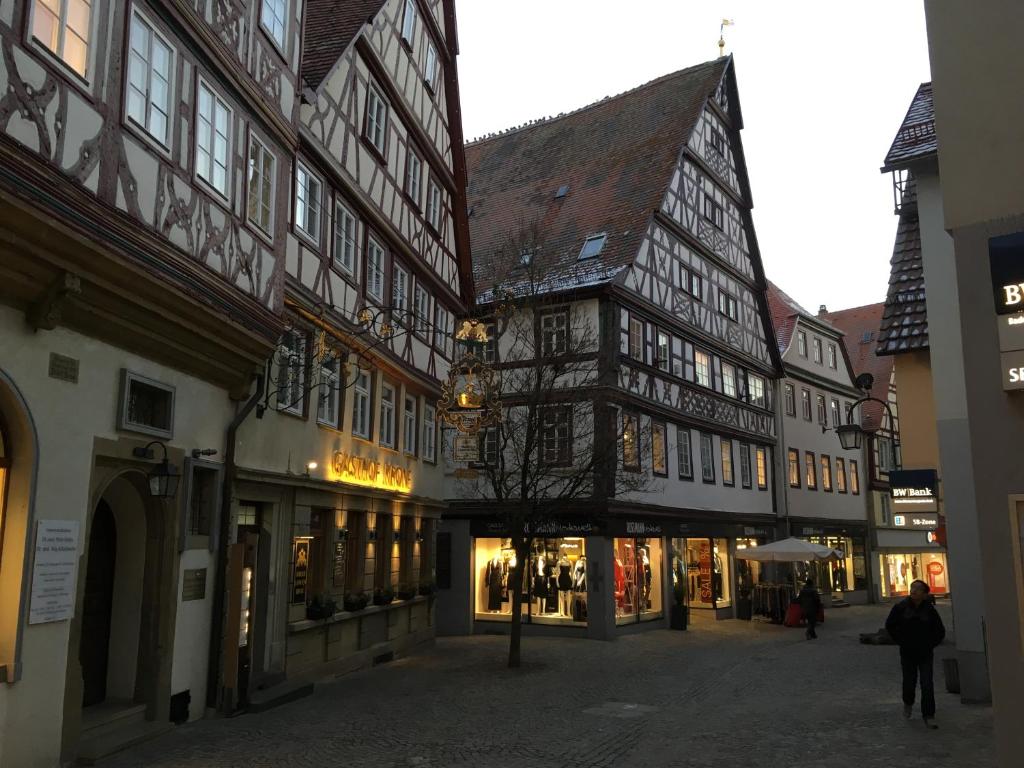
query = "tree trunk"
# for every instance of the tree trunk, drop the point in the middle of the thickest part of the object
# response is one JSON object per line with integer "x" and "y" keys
{"x": 522, "y": 548}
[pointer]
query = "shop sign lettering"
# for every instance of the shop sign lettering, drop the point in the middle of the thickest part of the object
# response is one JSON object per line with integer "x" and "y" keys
{"x": 705, "y": 572}
{"x": 917, "y": 488}
{"x": 639, "y": 528}
{"x": 358, "y": 470}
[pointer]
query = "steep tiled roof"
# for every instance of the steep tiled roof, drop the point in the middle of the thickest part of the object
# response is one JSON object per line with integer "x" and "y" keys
{"x": 860, "y": 328}
{"x": 916, "y": 136}
{"x": 904, "y": 326}
{"x": 616, "y": 158}
{"x": 784, "y": 311}
{"x": 330, "y": 26}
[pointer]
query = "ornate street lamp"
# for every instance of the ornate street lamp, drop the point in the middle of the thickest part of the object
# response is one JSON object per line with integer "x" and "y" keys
{"x": 164, "y": 477}
{"x": 850, "y": 434}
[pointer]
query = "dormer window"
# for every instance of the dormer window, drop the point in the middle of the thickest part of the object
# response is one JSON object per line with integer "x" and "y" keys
{"x": 592, "y": 246}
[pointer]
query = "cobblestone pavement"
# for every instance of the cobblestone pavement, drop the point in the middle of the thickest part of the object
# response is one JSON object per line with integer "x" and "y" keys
{"x": 729, "y": 693}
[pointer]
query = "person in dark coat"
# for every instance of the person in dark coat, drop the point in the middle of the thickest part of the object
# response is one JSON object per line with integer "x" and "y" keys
{"x": 917, "y": 628}
{"x": 810, "y": 603}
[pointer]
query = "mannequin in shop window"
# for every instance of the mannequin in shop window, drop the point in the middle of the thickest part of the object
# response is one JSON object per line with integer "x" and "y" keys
{"x": 579, "y": 590}
{"x": 643, "y": 567}
{"x": 540, "y": 582}
{"x": 493, "y": 578}
{"x": 564, "y": 585}
{"x": 716, "y": 576}
{"x": 550, "y": 570}
{"x": 620, "y": 581}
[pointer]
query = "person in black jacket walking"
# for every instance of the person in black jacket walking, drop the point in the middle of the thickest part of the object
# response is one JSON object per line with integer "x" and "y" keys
{"x": 917, "y": 628}
{"x": 810, "y": 602}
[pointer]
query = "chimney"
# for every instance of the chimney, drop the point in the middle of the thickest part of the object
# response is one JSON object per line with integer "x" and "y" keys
{"x": 822, "y": 310}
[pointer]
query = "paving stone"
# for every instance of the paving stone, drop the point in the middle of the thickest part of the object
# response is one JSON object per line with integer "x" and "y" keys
{"x": 725, "y": 694}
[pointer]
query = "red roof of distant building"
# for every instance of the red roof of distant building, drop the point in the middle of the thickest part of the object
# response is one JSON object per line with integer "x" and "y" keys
{"x": 784, "y": 310}
{"x": 860, "y": 326}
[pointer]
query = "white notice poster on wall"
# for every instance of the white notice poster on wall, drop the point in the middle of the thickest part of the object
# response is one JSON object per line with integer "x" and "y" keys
{"x": 54, "y": 571}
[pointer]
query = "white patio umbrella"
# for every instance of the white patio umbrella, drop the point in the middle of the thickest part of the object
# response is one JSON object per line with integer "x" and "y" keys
{"x": 790, "y": 551}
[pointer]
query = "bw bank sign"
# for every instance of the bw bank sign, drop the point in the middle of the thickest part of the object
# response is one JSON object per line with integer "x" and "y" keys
{"x": 1006, "y": 262}
{"x": 914, "y": 491}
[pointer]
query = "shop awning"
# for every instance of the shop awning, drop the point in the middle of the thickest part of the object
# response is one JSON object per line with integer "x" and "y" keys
{"x": 789, "y": 551}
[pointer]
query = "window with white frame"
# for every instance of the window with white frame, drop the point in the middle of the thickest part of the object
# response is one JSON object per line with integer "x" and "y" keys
{"x": 854, "y": 478}
{"x": 713, "y": 212}
{"x": 434, "y": 205}
{"x": 376, "y": 119}
{"x": 443, "y": 330}
{"x": 375, "y": 270}
{"x": 330, "y": 391}
{"x": 794, "y": 467}
{"x": 729, "y": 379}
{"x": 790, "y": 394}
{"x": 745, "y": 477}
{"x": 817, "y": 350}
{"x": 346, "y": 240}
{"x": 810, "y": 471}
{"x": 150, "y": 64}
{"x": 431, "y": 67}
{"x": 718, "y": 142}
{"x": 630, "y": 442}
{"x": 307, "y": 202}
{"x": 707, "y": 458}
{"x": 261, "y": 185}
{"x": 399, "y": 293}
{"x": 489, "y": 446}
{"x": 805, "y": 403}
{"x": 409, "y": 21}
{"x": 636, "y": 338}
{"x": 841, "y": 475}
{"x": 291, "y": 369}
{"x": 832, "y": 356}
{"x": 758, "y": 392}
{"x": 421, "y": 308}
{"x": 685, "y": 454}
{"x": 702, "y": 368}
{"x": 697, "y": 286}
{"x": 554, "y": 328}
{"x": 555, "y": 436}
{"x": 361, "y": 405}
{"x": 213, "y": 139}
{"x": 429, "y": 432}
{"x": 663, "y": 342}
{"x": 728, "y": 478}
{"x": 490, "y": 350}
{"x": 822, "y": 412}
{"x": 762, "y": 468}
{"x": 387, "y": 415}
{"x": 409, "y": 425}
{"x": 836, "y": 414}
{"x": 592, "y": 246}
{"x": 413, "y": 176}
{"x": 801, "y": 343}
{"x": 826, "y": 473}
{"x": 274, "y": 18}
{"x": 727, "y": 305}
{"x": 64, "y": 27}
{"x": 659, "y": 449}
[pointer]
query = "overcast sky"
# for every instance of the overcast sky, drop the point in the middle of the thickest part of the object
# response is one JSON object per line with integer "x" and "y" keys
{"x": 823, "y": 88}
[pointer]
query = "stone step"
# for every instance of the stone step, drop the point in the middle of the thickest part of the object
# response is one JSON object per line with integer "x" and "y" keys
{"x": 276, "y": 695}
{"x": 111, "y": 715}
{"x": 100, "y": 743}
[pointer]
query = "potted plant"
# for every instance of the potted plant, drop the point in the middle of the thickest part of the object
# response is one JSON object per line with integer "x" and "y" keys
{"x": 355, "y": 601}
{"x": 321, "y": 607}
{"x": 383, "y": 595}
{"x": 405, "y": 592}
{"x": 677, "y": 615}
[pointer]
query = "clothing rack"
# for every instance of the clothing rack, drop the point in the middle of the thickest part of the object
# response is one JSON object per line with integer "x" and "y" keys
{"x": 772, "y": 600}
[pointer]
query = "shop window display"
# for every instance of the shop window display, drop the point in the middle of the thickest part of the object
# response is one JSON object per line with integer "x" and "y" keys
{"x": 707, "y": 573}
{"x": 554, "y": 589}
{"x": 844, "y": 575}
{"x": 637, "y": 577}
{"x": 900, "y": 570}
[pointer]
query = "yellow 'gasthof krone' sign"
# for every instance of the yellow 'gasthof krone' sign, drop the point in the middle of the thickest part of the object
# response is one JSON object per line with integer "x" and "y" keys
{"x": 372, "y": 474}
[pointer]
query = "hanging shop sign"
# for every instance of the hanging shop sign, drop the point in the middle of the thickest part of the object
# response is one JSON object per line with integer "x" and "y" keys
{"x": 1006, "y": 264}
{"x": 466, "y": 448}
{"x": 914, "y": 491}
{"x": 54, "y": 571}
{"x": 300, "y": 569}
{"x": 358, "y": 470}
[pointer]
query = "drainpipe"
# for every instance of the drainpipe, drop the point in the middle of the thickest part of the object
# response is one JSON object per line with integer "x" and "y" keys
{"x": 213, "y": 692}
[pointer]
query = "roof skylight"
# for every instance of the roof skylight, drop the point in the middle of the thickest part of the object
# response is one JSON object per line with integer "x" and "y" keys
{"x": 592, "y": 246}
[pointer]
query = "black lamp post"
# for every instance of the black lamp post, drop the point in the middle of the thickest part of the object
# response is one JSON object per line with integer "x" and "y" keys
{"x": 164, "y": 478}
{"x": 851, "y": 435}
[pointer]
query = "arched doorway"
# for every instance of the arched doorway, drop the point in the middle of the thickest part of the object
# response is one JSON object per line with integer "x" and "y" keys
{"x": 112, "y": 599}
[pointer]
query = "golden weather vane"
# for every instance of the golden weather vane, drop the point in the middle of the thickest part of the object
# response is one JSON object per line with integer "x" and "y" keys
{"x": 721, "y": 35}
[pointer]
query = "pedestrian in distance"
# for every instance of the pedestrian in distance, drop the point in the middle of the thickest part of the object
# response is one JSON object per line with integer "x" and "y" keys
{"x": 917, "y": 628}
{"x": 810, "y": 604}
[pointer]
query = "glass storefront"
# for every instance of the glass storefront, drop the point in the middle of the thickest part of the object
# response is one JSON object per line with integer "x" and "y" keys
{"x": 845, "y": 575}
{"x": 899, "y": 570}
{"x": 708, "y": 584}
{"x": 637, "y": 567}
{"x": 555, "y": 581}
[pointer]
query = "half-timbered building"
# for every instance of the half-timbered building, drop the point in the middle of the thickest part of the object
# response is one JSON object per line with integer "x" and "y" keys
{"x": 638, "y": 209}
{"x": 338, "y": 484}
{"x": 822, "y": 485}
{"x": 141, "y": 280}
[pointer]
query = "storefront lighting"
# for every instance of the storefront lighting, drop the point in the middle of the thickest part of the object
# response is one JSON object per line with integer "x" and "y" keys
{"x": 419, "y": 537}
{"x": 310, "y": 466}
{"x": 164, "y": 477}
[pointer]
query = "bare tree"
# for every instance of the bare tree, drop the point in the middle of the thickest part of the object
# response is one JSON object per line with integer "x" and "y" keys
{"x": 562, "y": 442}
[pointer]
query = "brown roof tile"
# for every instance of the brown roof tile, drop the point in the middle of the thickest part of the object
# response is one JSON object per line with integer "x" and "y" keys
{"x": 860, "y": 328}
{"x": 330, "y": 26}
{"x": 784, "y": 311}
{"x": 904, "y": 326}
{"x": 916, "y": 137}
{"x": 616, "y": 157}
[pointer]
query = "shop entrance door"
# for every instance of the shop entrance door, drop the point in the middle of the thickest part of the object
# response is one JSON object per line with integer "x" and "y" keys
{"x": 249, "y": 539}
{"x": 97, "y": 606}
